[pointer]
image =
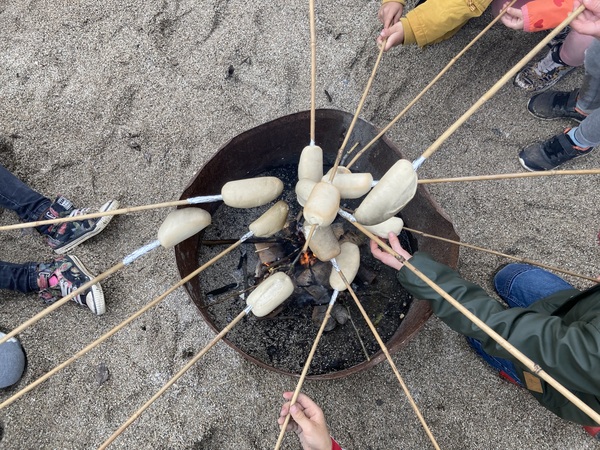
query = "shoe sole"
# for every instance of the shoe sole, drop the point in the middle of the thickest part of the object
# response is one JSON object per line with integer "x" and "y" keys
{"x": 99, "y": 306}
{"x": 100, "y": 225}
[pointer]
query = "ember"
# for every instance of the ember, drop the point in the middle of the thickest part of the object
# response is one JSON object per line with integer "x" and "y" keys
{"x": 307, "y": 259}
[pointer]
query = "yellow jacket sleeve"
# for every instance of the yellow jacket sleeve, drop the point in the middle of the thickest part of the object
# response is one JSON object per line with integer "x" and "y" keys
{"x": 437, "y": 20}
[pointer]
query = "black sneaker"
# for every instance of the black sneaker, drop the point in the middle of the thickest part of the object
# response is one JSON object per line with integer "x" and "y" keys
{"x": 64, "y": 275}
{"x": 555, "y": 105}
{"x": 551, "y": 153}
{"x": 63, "y": 237}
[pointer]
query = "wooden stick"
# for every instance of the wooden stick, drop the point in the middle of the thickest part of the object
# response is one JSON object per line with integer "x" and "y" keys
{"x": 499, "y": 84}
{"x": 431, "y": 83}
{"x": 509, "y": 176}
{"x": 126, "y": 322}
{"x": 533, "y": 367}
{"x": 126, "y": 261}
{"x": 62, "y": 301}
{"x": 306, "y": 367}
{"x": 358, "y": 110}
{"x": 390, "y": 360}
{"x": 114, "y": 212}
{"x": 313, "y": 68}
{"x": 313, "y": 228}
{"x": 178, "y": 375}
{"x": 514, "y": 258}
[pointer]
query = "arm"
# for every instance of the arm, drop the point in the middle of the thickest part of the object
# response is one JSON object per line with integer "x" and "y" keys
{"x": 568, "y": 351}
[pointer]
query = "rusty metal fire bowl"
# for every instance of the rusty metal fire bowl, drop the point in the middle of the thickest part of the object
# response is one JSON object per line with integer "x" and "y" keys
{"x": 274, "y": 148}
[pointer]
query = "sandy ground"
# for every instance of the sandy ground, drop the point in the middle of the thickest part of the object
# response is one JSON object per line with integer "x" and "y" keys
{"x": 127, "y": 99}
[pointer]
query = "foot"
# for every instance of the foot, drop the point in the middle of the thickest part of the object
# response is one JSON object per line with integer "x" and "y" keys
{"x": 541, "y": 75}
{"x": 556, "y": 105}
{"x": 63, "y": 276}
{"x": 65, "y": 236}
{"x": 551, "y": 153}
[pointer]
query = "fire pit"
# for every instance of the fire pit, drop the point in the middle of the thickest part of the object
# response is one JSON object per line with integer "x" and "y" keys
{"x": 282, "y": 341}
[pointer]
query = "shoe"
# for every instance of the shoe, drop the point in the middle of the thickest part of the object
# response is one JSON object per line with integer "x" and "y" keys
{"x": 593, "y": 431}
{"x": 538, "y": 76}
{"x": 556, "y": 105}
{"x": 63, "y": 237}
{"x": 551, "y": 153}
{"x": 65, "y": 275}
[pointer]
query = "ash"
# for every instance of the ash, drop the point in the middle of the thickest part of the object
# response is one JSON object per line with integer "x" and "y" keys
{"x": 283, "y": 339}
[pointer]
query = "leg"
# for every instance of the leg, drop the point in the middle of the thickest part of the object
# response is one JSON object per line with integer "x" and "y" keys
{"x": 520, "y": 285}
{"x": 19, "y": 277}
{"x": 17, "y": 196}
{"x": 573, "y": 48}
{"x": 589, "y": 94}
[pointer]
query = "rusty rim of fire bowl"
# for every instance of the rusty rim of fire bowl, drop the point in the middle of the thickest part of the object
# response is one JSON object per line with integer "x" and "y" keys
{"x": 278, "y": 143}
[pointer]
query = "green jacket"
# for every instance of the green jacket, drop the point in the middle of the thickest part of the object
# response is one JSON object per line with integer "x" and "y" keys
{"x": 561, "y": 336}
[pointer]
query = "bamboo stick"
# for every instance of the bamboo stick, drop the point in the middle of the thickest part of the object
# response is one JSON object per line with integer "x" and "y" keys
{"x": 510, "y": 176}
{"x": 430, "y": 85}
{"x": 119, "y": 327}
{"x": 306, "y": 367}
{"x": 114, "y": 212}
{"x": 504, "y": 255}
{"x": 62, "y": 301}
{"x": 358, "y": 110}
{"x": 496, "y": 87}
{"x": 313, "y": 68}
{"x": 178, "y": 375}
{"x": 391, "y": 361}
{"x": 532, "y": 366}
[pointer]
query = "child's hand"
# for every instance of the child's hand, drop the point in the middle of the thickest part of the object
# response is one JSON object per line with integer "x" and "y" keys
{"x": 393, "y": 34}
{"x": 385, "y": 257}
{"x": 588, "y": 22}
{"x": 513, "y": 18}
{"x": 308, "y": 422}
{"x": 390, "y": 13}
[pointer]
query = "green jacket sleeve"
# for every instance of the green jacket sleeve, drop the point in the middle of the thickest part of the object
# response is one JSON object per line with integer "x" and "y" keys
{"x": 567, "y": 350}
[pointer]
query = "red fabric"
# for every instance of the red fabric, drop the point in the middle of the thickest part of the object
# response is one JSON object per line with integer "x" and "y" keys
{"x": 541, "y": 15}
{"x": 335, "y": 445}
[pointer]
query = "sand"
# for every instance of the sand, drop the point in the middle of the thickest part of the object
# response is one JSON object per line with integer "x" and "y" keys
{"x": 127, "y": 99}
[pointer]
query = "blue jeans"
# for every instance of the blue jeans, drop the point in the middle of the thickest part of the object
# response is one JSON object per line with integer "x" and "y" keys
{"x": 520, "y": 285}
{"x": 16, "y": 195}
{"x": 29, "y": 206}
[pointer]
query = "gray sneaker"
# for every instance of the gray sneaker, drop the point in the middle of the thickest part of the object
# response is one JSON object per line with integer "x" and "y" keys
{"x": 541, "y": 75}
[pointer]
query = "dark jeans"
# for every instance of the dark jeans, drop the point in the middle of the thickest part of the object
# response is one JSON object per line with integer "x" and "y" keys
{"x": 16, "y": 195}
{"x": 520, "y": 285}
{"x": 29, "y": 206}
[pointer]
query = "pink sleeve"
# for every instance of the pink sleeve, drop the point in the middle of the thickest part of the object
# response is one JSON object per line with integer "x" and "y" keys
{"x": 335, "y": 445}
{"x": 541, "y": 15}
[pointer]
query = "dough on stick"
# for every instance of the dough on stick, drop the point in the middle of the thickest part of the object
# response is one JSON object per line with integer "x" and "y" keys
{"x": 251, "y": 192}
{"x": 352, "y": 185}
{"x": 182, "y": 224}
{"x": 393, "y": 224}
{"x": 271, "y": 221}
{"x": 303, "y": 189}
{"x": 310, "y": 166}
{"x": 395, "y": 189}
{"x": 271, "y": 293}
{"x": 322, "y": 205}
{"x": 348, "y": 261}
{"x": 323, "y": 243}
